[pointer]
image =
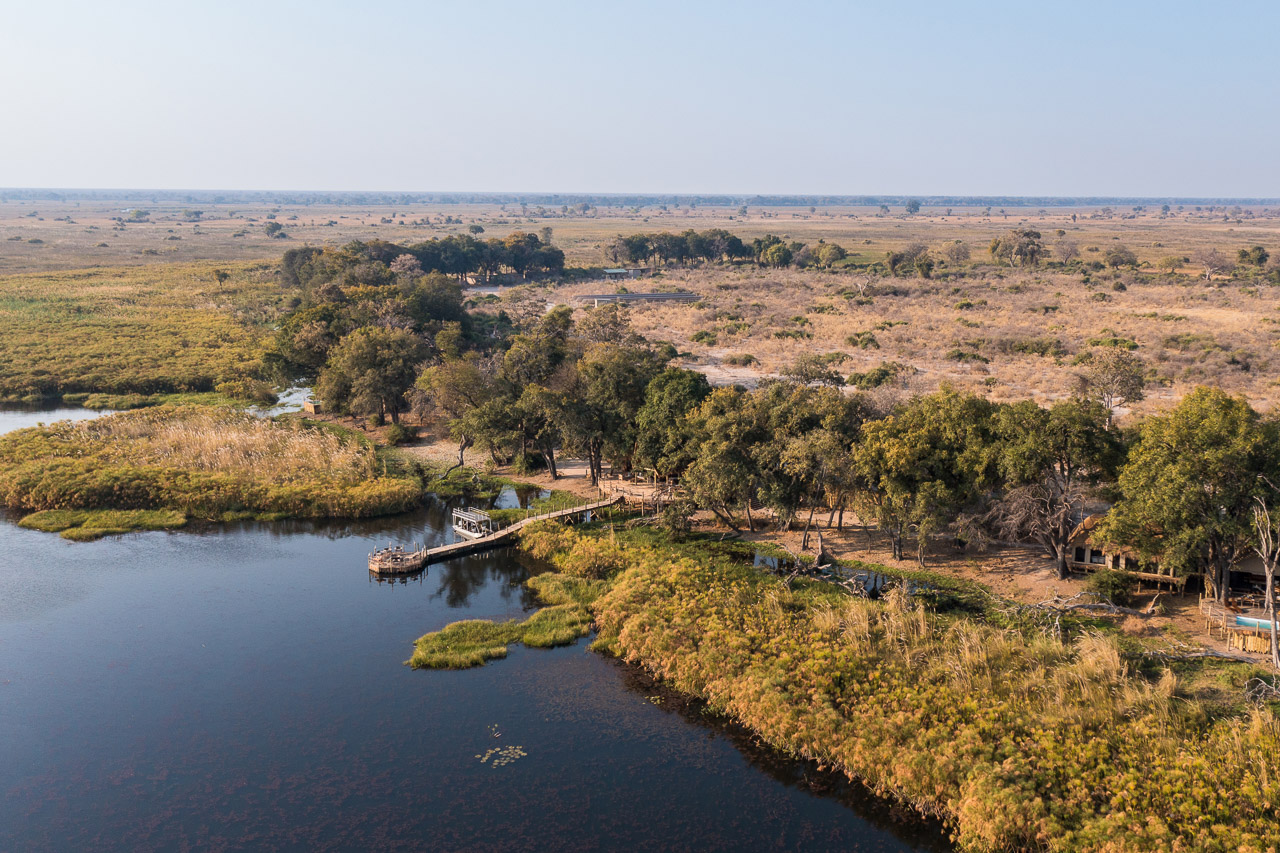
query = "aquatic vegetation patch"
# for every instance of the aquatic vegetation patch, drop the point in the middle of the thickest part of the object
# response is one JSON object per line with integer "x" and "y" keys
{"x": 88, "y": 525}
{"x": 471, "y": 642}
{"x": 502, "y": 756}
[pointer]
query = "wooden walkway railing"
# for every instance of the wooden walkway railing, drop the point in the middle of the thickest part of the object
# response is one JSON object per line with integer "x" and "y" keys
{"x": 405, "y": 562}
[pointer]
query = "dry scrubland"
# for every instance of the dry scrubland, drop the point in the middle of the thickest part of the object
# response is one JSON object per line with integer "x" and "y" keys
{"x": 1013, "y": 333}
{"x": 237, "y": 231}
{"x": 166, "y": 324}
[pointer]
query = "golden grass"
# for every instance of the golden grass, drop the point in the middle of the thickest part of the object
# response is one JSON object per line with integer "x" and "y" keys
{"x": 204, "y": 462}
{"x": 1016, "y": 739}
{"x": 229, "y": 441}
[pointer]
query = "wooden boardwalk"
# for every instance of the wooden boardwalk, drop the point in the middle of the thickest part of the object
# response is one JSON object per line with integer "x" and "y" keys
{"x": 389, "y": 562}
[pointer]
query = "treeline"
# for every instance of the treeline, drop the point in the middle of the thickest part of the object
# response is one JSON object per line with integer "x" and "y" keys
{"x": 377, "y": 262}
{"x": 718, "y": 245}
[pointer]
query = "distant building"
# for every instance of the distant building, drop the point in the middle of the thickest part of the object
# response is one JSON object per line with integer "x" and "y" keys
{"x": 599, "y": 298}
{"x": 616, "y": 273}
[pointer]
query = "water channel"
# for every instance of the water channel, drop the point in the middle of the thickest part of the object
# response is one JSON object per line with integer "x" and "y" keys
{"x": 243, "y": 687}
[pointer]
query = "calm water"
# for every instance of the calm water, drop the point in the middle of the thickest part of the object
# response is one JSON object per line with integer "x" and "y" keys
{"x": 243, "y": 687}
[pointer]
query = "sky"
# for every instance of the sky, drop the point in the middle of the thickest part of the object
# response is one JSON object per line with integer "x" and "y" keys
{"x": 1126, "y": 98}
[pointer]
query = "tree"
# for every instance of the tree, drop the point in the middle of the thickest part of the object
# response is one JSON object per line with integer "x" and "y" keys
{"x": 476, "y": 229}
{"x": 664, "y": 436}
{"x": 1067, "y": 250}
{"x": 924, "y": 464}
{"x": 912, "y": 206}
{"x": 1020, "y": 247}
{"x": 406, "y": 265}
{"x": 1267, "y": 544}
{"x": 456, "y": 387}
{"x": 815, "y": 369}
{"x": 1189, "y": 487}
{"x": 596, "y": 408}
{"x": 1050, "y": 461}
{"x": 1171, "y": 263}
{"x": 776, "y": 255}
{"x": 956, "y": 252}
{"x": 370, "y": 370}
{"x": 1255, "y": 257}
{"x": 829, "y": 254}
{"x": 723, "y": 475}
{"x": 1120, "y": 255}
{"x": 1213, "y": 261}
{"x": 1114, "y": 376}
{"x": 273, "y": 229}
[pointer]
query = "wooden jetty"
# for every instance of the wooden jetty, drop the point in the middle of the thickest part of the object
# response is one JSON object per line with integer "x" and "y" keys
{"x": 395, "y": 560}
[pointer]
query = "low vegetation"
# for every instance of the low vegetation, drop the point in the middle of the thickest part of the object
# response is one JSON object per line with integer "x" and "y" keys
{"x": 80, "y": 525}
{"x": 143, "y": 331}
{"x": 198, "y": 462}
{"x": 1015, "y": 737}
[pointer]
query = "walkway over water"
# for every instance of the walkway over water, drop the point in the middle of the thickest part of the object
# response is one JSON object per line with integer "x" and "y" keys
{"x": 397, "y": 562}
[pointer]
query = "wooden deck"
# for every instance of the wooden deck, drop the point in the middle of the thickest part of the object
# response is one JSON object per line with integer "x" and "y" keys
{"x": 392, "y": 562}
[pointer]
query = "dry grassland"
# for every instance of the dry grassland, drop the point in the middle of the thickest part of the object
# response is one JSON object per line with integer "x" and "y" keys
{"x": 972, "y": 331}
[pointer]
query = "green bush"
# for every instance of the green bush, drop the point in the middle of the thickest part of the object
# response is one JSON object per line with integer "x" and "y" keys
{"x": 398, "y": 434}
{"x": 1116, "y": 587}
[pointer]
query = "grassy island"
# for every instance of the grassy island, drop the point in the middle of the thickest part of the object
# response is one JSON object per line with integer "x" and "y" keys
{"x": 157, "y": 467}
{"x": 1016, "y": 737}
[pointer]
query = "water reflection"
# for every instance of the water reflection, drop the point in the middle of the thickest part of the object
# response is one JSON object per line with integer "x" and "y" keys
{"x": 802, "y": 775}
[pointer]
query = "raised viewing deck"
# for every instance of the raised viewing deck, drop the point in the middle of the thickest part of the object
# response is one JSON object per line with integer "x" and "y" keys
{"x": 397, "y": 561}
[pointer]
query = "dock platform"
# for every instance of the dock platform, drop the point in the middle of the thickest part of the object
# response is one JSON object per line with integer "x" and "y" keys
{"x": 397, "y": 561}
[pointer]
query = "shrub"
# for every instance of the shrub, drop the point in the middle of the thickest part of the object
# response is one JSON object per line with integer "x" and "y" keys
{"x": 863, "y": 340}
{"x": 398, "y": 434}
{"x": 1116, "y": 587}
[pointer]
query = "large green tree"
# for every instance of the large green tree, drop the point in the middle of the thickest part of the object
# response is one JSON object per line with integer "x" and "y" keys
{"x": 924, "y": 464}
{"x": 1189, "y": 486}
{"x": 663, "y": 432}
{"x": 370, "y": 370}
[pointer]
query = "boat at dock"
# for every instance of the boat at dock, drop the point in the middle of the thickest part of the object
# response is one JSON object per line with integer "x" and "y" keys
{"x": 472, "y": 523}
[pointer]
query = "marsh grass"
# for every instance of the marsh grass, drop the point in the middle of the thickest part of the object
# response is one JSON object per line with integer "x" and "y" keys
{"x": 204, "y": 462}
{"x": 471, "y": 642}
{"x": 141, "y": 331}
{"x": 1017, "y": 739}
{"x": 88, "y": 525}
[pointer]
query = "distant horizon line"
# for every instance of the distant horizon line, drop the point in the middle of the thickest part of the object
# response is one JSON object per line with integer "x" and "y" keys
{"x": 619, "y": 199}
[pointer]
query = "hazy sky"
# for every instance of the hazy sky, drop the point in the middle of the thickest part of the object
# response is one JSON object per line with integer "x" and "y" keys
{"x": 1025, "y": 98}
